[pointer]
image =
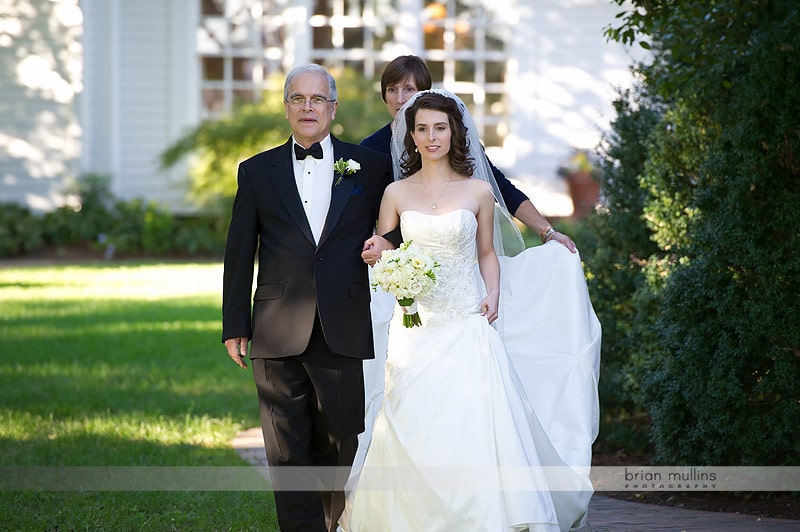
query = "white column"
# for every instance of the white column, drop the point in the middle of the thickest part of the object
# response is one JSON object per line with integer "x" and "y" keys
{"x": 299, "y": 37}
{"x": 99, "y": 100}
{"x": 408, "y": 35}
{"x": 184, "y": 86}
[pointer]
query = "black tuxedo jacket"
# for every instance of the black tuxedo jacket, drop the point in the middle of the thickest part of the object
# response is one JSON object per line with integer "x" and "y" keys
{"x": 296, "y": 277}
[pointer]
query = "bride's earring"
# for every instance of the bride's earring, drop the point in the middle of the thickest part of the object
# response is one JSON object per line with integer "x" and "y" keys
{"x": 416, "y": 149}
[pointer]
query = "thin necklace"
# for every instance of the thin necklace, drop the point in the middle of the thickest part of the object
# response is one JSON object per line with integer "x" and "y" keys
{"x": 435, "y": 201}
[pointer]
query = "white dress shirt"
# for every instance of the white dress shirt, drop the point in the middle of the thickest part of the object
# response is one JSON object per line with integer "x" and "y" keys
{"x": 314, "y": 178}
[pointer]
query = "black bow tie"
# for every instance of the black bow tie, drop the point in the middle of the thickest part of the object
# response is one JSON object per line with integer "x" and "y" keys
{"x": 301, "y": 153}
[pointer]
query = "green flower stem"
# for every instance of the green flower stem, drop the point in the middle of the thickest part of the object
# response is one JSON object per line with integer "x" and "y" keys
{"x": 410, "y": 319}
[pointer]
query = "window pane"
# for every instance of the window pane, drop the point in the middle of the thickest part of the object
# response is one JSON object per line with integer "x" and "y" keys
{"x": 213, "y": 7}
{"x": 467, "y": 99}
{"x": 494, "y": 44}
{"x": 495, "y": 72}
{"x": 353, "y": 38}
{"x": 243, "y": 69}
{"x": 492, "y": 135}
{"x": 213, "y": 102}
{"x": 495, "y": 104}
{"x": 437, "y": 70}
{"x": 465, "y": 37}
{"x": 433, "y": 18}
{"x": 323, "y": 37}
{"x": 323, "y": 7}
{"x": 434, "y": 37}
{"x": 465, "y": 71}
{"x": 213, "y": 68}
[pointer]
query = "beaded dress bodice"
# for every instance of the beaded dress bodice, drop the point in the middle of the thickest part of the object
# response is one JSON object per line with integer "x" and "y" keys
{"x": 450, "y": 237}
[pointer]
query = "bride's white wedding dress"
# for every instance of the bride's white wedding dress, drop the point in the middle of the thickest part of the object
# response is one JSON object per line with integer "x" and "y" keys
{"x": 481, "y": 428}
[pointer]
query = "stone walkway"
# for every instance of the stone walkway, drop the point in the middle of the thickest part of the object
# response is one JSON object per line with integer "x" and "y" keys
{"x": 605, "y": 513}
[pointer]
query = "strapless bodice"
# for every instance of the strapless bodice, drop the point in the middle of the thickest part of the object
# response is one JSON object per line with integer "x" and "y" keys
{"x": 450, "y": 238}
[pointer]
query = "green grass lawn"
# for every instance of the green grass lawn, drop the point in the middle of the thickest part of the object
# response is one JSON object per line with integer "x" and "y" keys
{"x": 120, "y": 366}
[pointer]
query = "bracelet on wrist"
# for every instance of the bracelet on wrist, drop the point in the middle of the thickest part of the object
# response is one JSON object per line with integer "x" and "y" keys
{"x": 543, "y": 232}
{"x": 547, "y": 233}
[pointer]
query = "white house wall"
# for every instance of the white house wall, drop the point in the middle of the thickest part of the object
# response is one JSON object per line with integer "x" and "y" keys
{"x": 561, "y": 85}
{"x": 40, "y": 78}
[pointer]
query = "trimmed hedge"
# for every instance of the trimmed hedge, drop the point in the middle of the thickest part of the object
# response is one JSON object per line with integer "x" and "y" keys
{"x": 109, "y": 227}
{"x": 712, "y": 352}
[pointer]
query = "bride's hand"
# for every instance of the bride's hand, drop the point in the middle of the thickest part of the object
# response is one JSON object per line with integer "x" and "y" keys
{"x": 489, "y": 307}
{"x": 565, "y": 241}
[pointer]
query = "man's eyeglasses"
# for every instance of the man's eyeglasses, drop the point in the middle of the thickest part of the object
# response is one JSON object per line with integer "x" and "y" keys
{"x": 300, "y": 101}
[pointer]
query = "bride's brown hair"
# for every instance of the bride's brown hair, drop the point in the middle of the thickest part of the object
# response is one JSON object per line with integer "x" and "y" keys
{"x": 460, "y": 161}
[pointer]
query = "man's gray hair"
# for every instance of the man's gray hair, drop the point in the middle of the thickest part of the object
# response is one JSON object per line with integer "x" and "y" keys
{"x": 311, "y": 69}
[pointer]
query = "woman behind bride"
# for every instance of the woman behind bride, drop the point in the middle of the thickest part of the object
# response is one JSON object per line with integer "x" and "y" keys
{"x": 457, "y": 444}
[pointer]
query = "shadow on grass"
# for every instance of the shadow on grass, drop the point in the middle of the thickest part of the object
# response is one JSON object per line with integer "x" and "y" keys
{"x": 144, "y": 511}
{"x": 77, "y": 448}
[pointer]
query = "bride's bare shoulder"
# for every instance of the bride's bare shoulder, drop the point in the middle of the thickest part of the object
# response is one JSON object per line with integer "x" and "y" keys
{"x": 401, "y": 184}
{"x": 478, "y": 186}
{"x": 397, "y": 189}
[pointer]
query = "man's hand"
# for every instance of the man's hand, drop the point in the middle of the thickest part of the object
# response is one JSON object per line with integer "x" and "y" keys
{"x": 237, "y": 350}
{"x": 373, "y": 248}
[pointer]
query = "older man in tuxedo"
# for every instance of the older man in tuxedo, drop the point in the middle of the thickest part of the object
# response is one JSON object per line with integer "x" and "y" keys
{"x": 306, "y": 207}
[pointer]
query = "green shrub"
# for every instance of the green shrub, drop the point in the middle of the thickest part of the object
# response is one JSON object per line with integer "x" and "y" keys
{"x": 20, "y": 230}
{"x": 201, "y": 235}
{"x": 614, "y": 245}
{"x": 717, "y": 320}
{"x": 88, "y": 219}
{"x": 65, "y": 226}
{"x": 103, "y": 224}
{"x": 726, "y": 389}
{"x": 157, "y": 230}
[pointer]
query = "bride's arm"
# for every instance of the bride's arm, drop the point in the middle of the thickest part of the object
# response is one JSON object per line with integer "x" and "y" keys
{"x": 487, "y": 258}
{"x": 388, "y": 220}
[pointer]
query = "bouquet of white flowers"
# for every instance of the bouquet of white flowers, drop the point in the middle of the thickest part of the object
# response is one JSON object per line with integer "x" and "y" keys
{"x": 407, "y": 272}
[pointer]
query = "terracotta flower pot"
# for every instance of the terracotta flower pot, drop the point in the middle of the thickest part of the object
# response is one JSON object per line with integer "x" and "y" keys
{"x": 585, "y": 193}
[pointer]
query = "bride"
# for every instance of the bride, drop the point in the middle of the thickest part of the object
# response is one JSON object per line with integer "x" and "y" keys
{"x": 484, "y": 423}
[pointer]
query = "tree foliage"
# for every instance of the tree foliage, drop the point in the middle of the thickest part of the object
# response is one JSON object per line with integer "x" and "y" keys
{"x": 713, "y": 347}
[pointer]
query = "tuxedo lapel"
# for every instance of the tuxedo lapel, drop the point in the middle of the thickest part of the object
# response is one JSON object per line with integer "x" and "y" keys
{"x": 282, "y": 176}
{"x": 341, "y": 191}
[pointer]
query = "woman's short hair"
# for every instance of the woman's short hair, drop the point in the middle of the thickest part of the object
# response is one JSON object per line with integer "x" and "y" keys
{"x": 403, "y": 67}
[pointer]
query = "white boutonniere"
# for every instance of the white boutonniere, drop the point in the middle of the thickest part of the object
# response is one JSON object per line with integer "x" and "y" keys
{"x": 343, "y": 168}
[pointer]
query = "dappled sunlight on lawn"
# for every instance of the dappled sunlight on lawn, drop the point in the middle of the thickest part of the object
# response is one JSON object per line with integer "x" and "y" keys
{"x": 201, "y": 430}
{"x": 113, "y": 328}
{"x": 146, "y": 282}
